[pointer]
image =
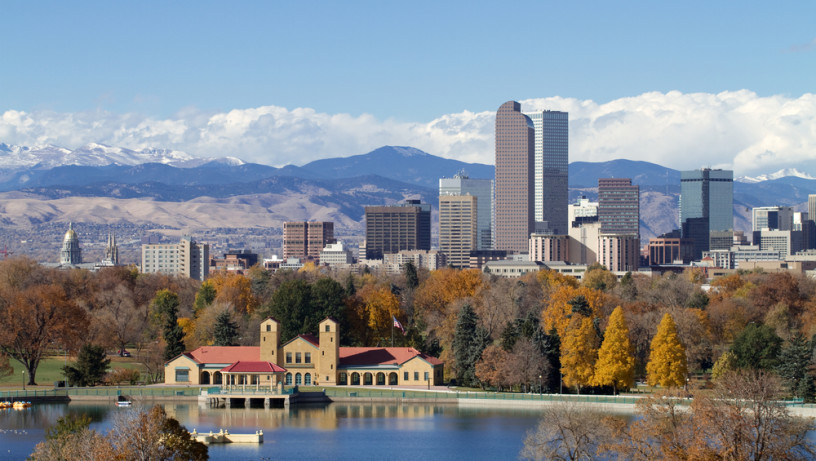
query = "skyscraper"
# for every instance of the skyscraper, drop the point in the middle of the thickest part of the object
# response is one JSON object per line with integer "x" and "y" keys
{"x": 482, "y": 189}
{"x": 515, "y": 157}
{"x": 618, "y": 206}
{"x": 302, "y": 239}
{"x": 551, "y": 188}
{"x": 707, "y": 208}
{"x": 391, "y": 229}
{"x": 458, "y": 218}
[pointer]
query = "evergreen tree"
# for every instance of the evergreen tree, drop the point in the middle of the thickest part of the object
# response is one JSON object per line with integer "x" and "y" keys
{"x": 509, "y": 336}
{"x": 667, "y": 360}
{"x": 579, "y": 351}
{"x": 469, "y": 340}
{"x": 794, "y": 367}
{"x": 350, "y": 289}
{"x": 757, "y": 346}
{"x": 225, "y": 330}
{"x": 550, "y": 346}
{"x": 90, "y": 367}
{"x": 166, "y": 303}
{"x": 411, "y": 277}
{"x": 615, "y": 365}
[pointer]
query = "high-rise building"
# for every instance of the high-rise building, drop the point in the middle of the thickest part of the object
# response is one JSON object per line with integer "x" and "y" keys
{"x": 618, "y": 206}
{"x": 458, "y": 218}
{"x": 515, "y": 161}
{"x": 706, "y": 208}
{"x": 188, "y": 258}
{"x": 482, "y": 189}
{"x": 70, "y": 252}
{"x": 772, "y": 218}
{"x": 390, "y": 229}
{"x": 302, "y": 239}
{"x": 550, "y": 170}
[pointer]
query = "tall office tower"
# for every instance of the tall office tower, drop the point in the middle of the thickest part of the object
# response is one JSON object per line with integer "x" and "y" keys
{"x": 458, "y": 228}
{"x": 390, "y": 229}
{"x": 482, "y": 189}
{"x": 303, "y": 239}
{"x": 619, "y": 206}
{"x": 551, "y": 188}
{"x": 707, "y": 208}
{"x": 515, "y": 157}
{"x": 772, "y": 218}
{"x": 812, "y": 207}
{"x": 188, "y": 258}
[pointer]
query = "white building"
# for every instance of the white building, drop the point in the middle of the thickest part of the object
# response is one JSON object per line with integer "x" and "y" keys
{"x": 188, "y": 258}
{"x": 335, "y": 254}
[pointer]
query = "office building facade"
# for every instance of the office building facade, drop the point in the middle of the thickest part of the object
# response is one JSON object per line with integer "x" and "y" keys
{"x": 618, "y": 206}
{"x": 391, "y": 229}
{"x": 515, "y": 161}
{"x": 306, "y": 239}
{"x": 458, "y": 225}
{"x": 482, "y": 189}
{"x": 550, "y": 169}
{"x": 188, "y": 258}
{"x": 707, "y": 208}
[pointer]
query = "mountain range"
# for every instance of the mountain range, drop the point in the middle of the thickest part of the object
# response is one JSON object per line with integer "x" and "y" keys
{"x": 333, "y": 188}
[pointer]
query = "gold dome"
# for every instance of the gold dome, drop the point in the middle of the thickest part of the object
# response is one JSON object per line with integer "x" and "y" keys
{"x": 70, "y": 234}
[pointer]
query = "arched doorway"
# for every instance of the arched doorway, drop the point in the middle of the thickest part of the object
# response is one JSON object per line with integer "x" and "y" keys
{"x": 392, "y": 379}
{"x": 355, "y": 379}
{"x": 205, "y": 377}
{"x": 217, "y": 379}
{"x": 381, "y": 379}
{"x": 367, "y": 379}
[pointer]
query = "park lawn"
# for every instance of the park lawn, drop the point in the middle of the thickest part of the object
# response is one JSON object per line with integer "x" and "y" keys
{"x": 50, "y": 370}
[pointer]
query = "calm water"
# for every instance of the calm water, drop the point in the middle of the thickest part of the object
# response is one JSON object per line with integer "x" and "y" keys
{"x": 337, "y": 431}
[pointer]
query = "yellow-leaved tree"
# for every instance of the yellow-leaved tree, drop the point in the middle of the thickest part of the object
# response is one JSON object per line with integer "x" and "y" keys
{"x": 579, "y": 350}
{"x": 616, "y": 365}
{"x": 563, "y": 303}
{"x": 667, "y": 365}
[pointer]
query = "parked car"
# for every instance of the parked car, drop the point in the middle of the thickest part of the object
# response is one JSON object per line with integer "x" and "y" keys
{"x": 123, "y": 353}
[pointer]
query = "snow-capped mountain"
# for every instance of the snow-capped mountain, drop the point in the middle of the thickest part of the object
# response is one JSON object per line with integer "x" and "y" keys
{"x": 779, "y": 174}
{"x": 50, "y": 156}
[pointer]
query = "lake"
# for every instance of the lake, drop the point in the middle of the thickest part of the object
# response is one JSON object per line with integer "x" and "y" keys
{"x": 335, "y": 431}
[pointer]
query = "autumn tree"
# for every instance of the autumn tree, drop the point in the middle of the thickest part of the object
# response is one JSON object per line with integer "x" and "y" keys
{"x": 579, "y": 351}
{"x": 527, "y": 366}
{"x": 667, "y": 360}
{"x": 468, "y": 343}
{"x": 204, "y": 297}
{"x": 490, "y": 369}
{"x": 566, "y": 431}
{"x": 564, "y": 302}
{"x": 615, "y": 366}
{"x": 34, "y": 320}
{"x": 724, "y": 365}
{"x": 235, "y": 289}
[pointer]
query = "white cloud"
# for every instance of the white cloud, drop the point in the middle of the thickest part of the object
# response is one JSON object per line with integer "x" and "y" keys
{"x": 738, "y": 130}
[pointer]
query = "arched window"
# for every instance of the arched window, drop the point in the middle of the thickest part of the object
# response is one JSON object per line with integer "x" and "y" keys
{"x": 298, "y": 379}
{"x": 343, "y": 379}
{"x": 367, "y": 379}
{"x": 355, "y": 379}
{"x": 381, "y": 379}
{"x": 307, "y": 380}
{"x": 217, "y": 377}
{"x": 392, "y": 379}
{"x": 288, "y": 379}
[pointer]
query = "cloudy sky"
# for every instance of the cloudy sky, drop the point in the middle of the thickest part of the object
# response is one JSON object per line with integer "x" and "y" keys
{"x": 685, "y": 85}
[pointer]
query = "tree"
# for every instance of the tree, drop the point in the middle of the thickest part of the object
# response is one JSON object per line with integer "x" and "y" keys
{"x": 291, "y": 306}
{"x": 204, "y": 297}
{"x": 5, "y": 366}
{"x": 615, "y": 365}
{"x": 90, "y": 367}
{"x": 36, "y": 319}
{"x": 757, "y": 346}
{"x": 225, "y": 331}
{"x": 794, "y": 367}
{"x": 527, "y": 366}
{"x": 469, "y": 341}
{"x": 566, "y": 431}
{"x": 667, "y": 359}
{"x": 566, "y": 301}
{"x": 166, "y": 304}
{"x": 72, "y": 440}
{"x": 579, "y": 351}
{"x": 725, "y": 364}
{"x": 411, "y": 276}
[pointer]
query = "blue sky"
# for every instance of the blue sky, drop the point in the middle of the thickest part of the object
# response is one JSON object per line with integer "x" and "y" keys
{"x": 382, "y": 63}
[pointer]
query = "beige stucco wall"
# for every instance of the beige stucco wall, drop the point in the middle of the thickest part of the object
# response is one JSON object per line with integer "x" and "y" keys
{"x": 181, "y": 362}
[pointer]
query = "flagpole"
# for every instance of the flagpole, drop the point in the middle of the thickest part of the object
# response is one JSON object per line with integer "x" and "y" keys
{"x": 392, "y": 331}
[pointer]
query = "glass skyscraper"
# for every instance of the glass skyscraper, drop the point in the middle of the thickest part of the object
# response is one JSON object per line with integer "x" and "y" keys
{"x": 707, "y": 208}
{"x": 551, "y": 176}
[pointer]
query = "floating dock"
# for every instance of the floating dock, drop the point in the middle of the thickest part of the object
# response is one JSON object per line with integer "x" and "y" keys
{"x": 225, "y": 437}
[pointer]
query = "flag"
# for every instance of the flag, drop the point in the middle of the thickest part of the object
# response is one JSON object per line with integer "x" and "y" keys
{"x": 398, "y": 325}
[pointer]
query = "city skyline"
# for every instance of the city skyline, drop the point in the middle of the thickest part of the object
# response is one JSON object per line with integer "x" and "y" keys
{"x": 282, "y": 84}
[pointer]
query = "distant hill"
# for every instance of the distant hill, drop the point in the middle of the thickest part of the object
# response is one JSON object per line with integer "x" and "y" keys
{"x": 586, "y": 174}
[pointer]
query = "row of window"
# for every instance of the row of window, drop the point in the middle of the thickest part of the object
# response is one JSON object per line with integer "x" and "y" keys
{"x": 307, "y": 357}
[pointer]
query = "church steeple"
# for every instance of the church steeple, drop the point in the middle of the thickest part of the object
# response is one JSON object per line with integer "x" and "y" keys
{"x": 111, "y": 251}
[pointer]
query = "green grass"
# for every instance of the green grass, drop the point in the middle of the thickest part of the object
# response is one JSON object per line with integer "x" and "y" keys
{"x": 50, "y": 370}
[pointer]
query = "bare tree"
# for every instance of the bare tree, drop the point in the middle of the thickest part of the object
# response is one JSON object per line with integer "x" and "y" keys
{"x": 566, "y": 431}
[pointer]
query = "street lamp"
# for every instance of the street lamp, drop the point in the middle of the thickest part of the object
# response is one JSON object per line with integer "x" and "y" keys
{"x": 540, "y": 388}
{"x": 23, "y": 372}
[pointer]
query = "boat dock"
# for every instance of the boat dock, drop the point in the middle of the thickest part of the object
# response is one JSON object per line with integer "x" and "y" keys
{"x": 259, "y": 399}
{"x": 225, "y": 437}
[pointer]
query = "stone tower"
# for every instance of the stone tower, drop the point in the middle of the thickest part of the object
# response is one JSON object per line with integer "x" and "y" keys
{"x": 70, "y": 252}
{"x": 270, "y": 342}
{"x": 329, "y": 352}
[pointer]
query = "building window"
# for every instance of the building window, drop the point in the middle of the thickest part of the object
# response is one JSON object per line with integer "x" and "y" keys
{"x": 405, "y": 376}
{"x": 288, "y": 379}
{"x": 297, "y": 357}
{"x": 298, "y": 379}
{"x": 416, "y": 376}
{"x": 426, "y": 376}
{"x": 328, "y": 328}
{"x": 288, "y": 357}
{"x": 307, "y": 358}
{"x": 268, "y": 327}
{"x": 182, "y": 375}
{"x": 307, "y": 380}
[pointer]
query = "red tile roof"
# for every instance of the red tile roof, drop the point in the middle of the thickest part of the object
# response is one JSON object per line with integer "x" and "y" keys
{"x": 311, "y": 338}
{"x": 363, "y": 356}
{"x": 225, "y": 354}
{"x": 253, "y": 367}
